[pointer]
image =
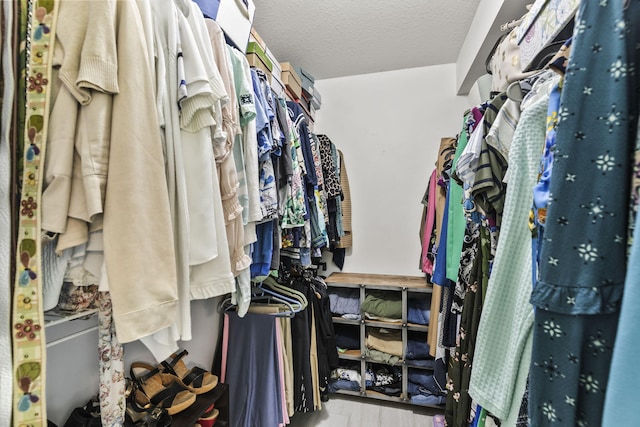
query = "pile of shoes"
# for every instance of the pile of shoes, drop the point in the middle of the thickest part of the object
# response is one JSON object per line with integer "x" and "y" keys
{"x": 154, "y": 394}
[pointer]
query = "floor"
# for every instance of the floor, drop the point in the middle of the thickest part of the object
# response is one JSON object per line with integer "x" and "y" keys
{"x": 347, "y": 411}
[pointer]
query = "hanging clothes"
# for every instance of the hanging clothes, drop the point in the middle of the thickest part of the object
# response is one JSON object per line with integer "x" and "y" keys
{"x": 625, "y": 351}
{"x": 582, "y": 272}
{"x": 504, "y": 333}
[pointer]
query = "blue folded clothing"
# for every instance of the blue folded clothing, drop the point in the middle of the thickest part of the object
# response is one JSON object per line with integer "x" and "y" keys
{"x": 421, "y": 399}
{"x": 344, "y": 301}
{"x": 419, "y": 310}
{"x": 425, "y": 381}
{"x": 417, "y": 347}
{"x": 335, "y": 385}
{"x": 423, "y": 363}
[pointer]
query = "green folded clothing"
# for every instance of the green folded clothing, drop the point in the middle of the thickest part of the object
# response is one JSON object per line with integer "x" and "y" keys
{"x": 383, "y": 304}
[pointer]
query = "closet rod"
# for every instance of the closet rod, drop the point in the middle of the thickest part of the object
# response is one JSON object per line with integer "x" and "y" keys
{"x": 72, "y": 336}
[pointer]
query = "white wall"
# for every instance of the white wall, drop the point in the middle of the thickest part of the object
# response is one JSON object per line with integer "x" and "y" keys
{"x": 389, "y": 125}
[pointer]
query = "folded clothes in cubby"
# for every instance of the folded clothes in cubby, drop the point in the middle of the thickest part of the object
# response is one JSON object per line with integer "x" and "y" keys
{"x": 344, "y": 301}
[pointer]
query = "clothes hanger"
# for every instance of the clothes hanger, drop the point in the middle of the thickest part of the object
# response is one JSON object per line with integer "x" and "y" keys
{"x": 295, "y": 303}
{"x": 286, "y": 290}
{"x": 270, "y": 299}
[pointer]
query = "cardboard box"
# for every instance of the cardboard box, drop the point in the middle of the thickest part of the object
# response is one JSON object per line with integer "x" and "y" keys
{"x": 316, "y": 101}
{"x": 257, "y": 58}
{"x": 255, "y": 37}
{"x": 291, "y": 80}
{"x": 307, "y": 80}
{"x": 255, "y": 61}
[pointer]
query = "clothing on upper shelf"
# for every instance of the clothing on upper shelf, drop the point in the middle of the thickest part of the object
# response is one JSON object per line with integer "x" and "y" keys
{"x": 419, "y": 310}
{"x": 345, "y": 301}
{"x": 382, "y": 304}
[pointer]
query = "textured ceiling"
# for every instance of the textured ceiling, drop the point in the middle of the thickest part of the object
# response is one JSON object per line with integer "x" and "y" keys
{"x": 334, "y": 38}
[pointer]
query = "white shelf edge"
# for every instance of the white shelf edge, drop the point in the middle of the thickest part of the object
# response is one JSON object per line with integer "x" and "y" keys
{"x": 64, "y": 318}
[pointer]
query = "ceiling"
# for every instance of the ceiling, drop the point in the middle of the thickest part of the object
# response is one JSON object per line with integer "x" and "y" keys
{"x": 335, "y": 38}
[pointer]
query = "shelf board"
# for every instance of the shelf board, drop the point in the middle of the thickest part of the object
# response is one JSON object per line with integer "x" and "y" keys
{"x": 52, "y": 318}
{"x": 417, "y": 327}
{"x": 424, "y": 368}
{"x": 349, "y": 393}
{"x": 383, "y": 324}
{"x": 370, "y": 394}
{"x": 379, "y": 281}
{"x": 440, "y": 407}
{"x": 382, "y": 396}
{"x": 399, "y": 363}
{"x": 350, "y": 355}
{"x": 343, "y": 321}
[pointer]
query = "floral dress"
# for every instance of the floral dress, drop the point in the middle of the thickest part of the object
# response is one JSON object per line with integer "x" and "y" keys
{"x": 583, "y": 252}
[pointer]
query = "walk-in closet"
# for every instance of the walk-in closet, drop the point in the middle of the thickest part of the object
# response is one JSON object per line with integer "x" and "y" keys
{"x": 265, "y": 213}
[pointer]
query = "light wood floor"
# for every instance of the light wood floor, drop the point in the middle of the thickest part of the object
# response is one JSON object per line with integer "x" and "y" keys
{"x": 347, "y": 411}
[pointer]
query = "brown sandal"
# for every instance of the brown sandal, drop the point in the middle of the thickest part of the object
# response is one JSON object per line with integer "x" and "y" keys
{"x": 160, "y": 389}
{"x": 196, "y": 379}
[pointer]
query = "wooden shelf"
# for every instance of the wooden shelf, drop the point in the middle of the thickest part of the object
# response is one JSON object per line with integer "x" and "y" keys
{"x": 370, "y": 394}
{"x": 350, "y": 355}
{"x": 417, "y": 327}
{"x": 383, "y": 324}
{"x": 343, "y": 321}
{"x": 399, "y": 363}
{"x": 412, "y": 366}
{"x": 382, "y": 396}
{"x": 380, "y": 281}
{"x": 406, "y": 288}
{"x": 349, "y": 393}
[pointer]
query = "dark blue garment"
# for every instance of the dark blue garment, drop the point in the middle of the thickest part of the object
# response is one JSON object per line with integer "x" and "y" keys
{"x": 335, "y": 385}
{"x": 253, "y": 370}
{"x": 421, "y": 399}
{"x": 262, "y": 250}
{"x": 426, "y": 380}
{"x": 419, "y": 310}
{"x": 417, "y": 349}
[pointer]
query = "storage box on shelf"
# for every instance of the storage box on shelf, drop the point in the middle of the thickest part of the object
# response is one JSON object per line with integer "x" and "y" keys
{"x": 307, "y": 81}
{"x": 408, "y": 288}
{"x": 257, "y": 58}
{"x": 291, "y": 80}
{"x": 255, "y": 37}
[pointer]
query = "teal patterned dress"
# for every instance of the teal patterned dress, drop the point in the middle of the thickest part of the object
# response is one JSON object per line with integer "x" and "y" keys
{"x": 583, "y": 253}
